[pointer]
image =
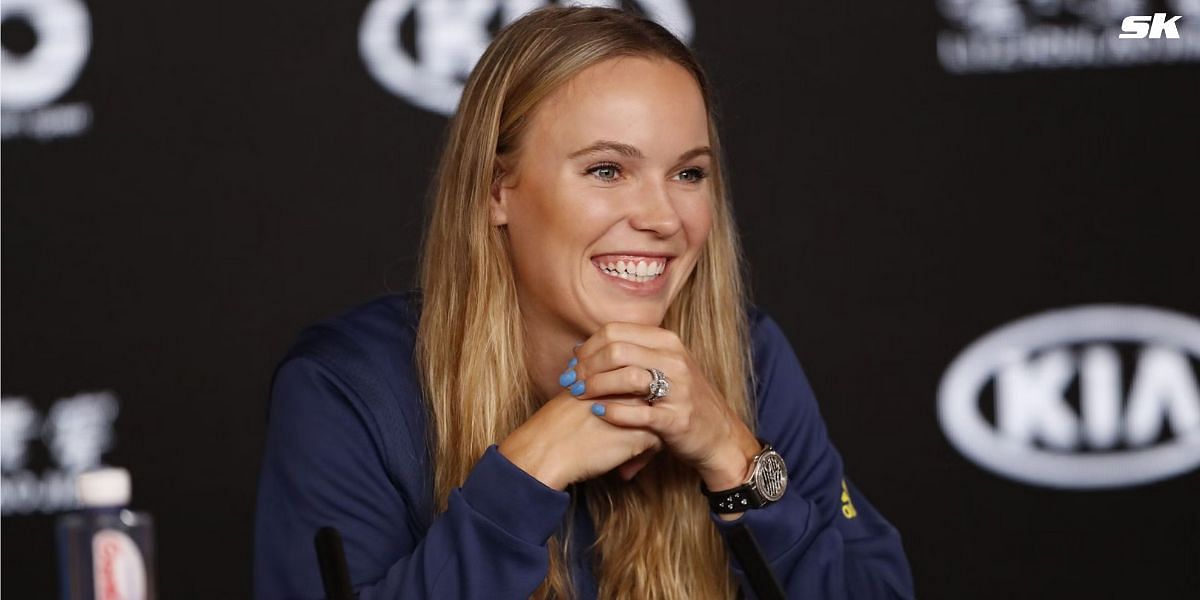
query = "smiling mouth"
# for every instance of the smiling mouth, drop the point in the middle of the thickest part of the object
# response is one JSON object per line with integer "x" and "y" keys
{"x": 634, "y": 269}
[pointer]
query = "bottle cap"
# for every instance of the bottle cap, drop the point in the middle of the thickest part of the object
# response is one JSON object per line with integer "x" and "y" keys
{"x": 108, "y": 486}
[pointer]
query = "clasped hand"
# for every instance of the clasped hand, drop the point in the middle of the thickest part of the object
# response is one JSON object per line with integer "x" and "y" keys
{"x": 602, "y": 421}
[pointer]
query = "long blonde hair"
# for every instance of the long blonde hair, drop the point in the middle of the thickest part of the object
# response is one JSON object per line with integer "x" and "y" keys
{"x": 654, "y": 534}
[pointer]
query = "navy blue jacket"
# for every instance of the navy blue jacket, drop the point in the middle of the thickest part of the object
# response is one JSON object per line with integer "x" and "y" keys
{"x": 346, "y": 447}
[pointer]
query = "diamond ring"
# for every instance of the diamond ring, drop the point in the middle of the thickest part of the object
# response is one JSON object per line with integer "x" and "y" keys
{"x": 659, "y": 386}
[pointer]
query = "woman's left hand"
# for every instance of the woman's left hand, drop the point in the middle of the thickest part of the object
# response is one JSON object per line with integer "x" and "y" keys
{"x": 693, "y": 420}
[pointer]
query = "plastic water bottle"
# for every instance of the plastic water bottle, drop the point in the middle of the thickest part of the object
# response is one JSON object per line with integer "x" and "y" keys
{"x": 105, "y": 551}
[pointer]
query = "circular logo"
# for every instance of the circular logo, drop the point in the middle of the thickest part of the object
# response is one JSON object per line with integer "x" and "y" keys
{"x": 450, "y": 37}
{"x": 63, "y": 37}
{"x": 1039, "y": 435}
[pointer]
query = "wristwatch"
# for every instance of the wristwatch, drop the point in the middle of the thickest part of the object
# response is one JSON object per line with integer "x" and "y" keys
{"x": 764, "y": 484}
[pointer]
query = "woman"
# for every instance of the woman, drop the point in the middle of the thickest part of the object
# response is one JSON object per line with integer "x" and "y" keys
{"x": 559, "y": 408}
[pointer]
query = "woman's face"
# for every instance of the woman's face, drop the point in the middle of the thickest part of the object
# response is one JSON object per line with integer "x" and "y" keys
{"x": 609, "y": 204}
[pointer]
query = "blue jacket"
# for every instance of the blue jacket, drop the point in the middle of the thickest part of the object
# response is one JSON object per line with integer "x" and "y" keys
{"x": 345, "y": 448}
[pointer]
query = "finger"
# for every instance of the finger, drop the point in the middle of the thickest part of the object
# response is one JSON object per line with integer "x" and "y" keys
{"x": 627, "y": 354}
{"x": 625, "y": 381}
{"x": 654, "y": 418}
{"x": 637, "y": 333}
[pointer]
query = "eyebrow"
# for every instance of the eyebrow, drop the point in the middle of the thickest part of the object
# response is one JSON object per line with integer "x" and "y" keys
{"x": 631, "y": 151}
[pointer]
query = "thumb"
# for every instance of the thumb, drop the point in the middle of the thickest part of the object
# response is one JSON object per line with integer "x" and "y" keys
{"x": 632, "y": 466}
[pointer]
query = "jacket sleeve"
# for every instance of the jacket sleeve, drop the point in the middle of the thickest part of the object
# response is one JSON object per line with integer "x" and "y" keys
{"x": 321, "y": 467}
{"x": 823, "y": 539}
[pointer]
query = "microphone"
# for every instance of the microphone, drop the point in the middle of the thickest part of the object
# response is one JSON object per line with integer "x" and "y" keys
{"x": 331, "y": 557}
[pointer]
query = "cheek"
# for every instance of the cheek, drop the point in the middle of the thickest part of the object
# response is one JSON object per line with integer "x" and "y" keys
{"x": 537, "y": 216}
{"x": 581, "y": 217}
{"x": 550, "y": 234}
{"x": 697, "y": 218}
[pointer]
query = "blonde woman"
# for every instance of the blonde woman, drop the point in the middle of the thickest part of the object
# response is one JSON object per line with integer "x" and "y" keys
{"x": 578, "y": 401}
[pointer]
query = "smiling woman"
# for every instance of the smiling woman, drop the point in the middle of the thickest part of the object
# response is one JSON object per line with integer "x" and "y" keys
{"x": 579, "y": 400}
{"x": 611, "y": 172}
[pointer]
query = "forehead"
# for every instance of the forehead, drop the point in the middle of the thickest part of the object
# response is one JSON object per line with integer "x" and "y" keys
{"x": 651, "y": 103}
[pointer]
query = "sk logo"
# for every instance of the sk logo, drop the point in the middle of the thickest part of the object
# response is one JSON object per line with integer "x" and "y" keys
{"x": 1150, "y": 26}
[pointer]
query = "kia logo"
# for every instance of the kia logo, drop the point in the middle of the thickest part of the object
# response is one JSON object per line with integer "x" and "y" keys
{"x": 1063, "y": 415}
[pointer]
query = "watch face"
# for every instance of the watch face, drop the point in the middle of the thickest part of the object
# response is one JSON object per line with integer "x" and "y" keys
{"x": 771, "y": 478}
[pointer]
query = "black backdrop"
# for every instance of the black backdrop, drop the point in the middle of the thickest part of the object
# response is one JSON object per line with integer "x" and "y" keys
{"x": 242, "y": 175}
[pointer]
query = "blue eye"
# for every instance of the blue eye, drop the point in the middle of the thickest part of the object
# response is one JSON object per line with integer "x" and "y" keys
{"x": 605, "y": 171}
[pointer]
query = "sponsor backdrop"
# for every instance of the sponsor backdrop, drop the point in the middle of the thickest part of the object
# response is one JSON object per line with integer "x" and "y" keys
{"x": 975, "y": 219}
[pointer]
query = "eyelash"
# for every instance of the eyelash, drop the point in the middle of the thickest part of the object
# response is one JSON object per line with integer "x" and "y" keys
{"x": 700, "y": 173}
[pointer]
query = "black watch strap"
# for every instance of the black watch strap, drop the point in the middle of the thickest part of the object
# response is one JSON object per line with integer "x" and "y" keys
{"x": 733, "y": 500}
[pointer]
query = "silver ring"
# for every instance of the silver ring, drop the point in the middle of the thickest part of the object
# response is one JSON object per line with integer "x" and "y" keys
{"x": 659, "y": 386}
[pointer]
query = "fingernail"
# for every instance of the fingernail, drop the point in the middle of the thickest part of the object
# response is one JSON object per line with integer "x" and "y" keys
{"x": 571, "y": 363}
{"x": 578, "y": 388}
{"x": 567, "y": 378}
{"x": 598, "y": 409}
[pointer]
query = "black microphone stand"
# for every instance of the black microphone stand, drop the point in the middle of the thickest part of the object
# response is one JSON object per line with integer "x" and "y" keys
{"x": 758, "y": 572}
{"x": 331, "y": 556}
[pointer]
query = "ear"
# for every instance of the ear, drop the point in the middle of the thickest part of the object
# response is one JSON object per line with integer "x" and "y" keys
{"x": 501, "y": 189}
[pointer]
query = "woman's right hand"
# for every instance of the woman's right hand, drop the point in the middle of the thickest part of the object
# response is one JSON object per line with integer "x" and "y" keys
{"x": 563, "y": 442}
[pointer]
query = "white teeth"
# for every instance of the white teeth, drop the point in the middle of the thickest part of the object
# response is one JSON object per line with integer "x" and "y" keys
{"x": 640, "y": 271}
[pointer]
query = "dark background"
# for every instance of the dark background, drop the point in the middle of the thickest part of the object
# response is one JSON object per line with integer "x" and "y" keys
{"x": 245, "y": 176}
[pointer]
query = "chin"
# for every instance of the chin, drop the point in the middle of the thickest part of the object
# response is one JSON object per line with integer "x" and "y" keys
{"x": 631, "y": 313}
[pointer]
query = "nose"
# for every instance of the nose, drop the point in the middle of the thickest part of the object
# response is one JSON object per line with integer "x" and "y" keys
{"x": 655, "y": 211}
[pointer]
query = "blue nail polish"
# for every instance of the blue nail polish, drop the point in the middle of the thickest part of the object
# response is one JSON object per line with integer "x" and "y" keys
{"x": 567, "y": 378}
{"x": 572, "y": 362}
{"x": 578, "y": 388}
{"x": 598, "y": 409}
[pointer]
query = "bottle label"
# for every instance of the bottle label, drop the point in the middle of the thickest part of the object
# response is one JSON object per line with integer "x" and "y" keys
{"x": 119, "y": 571}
